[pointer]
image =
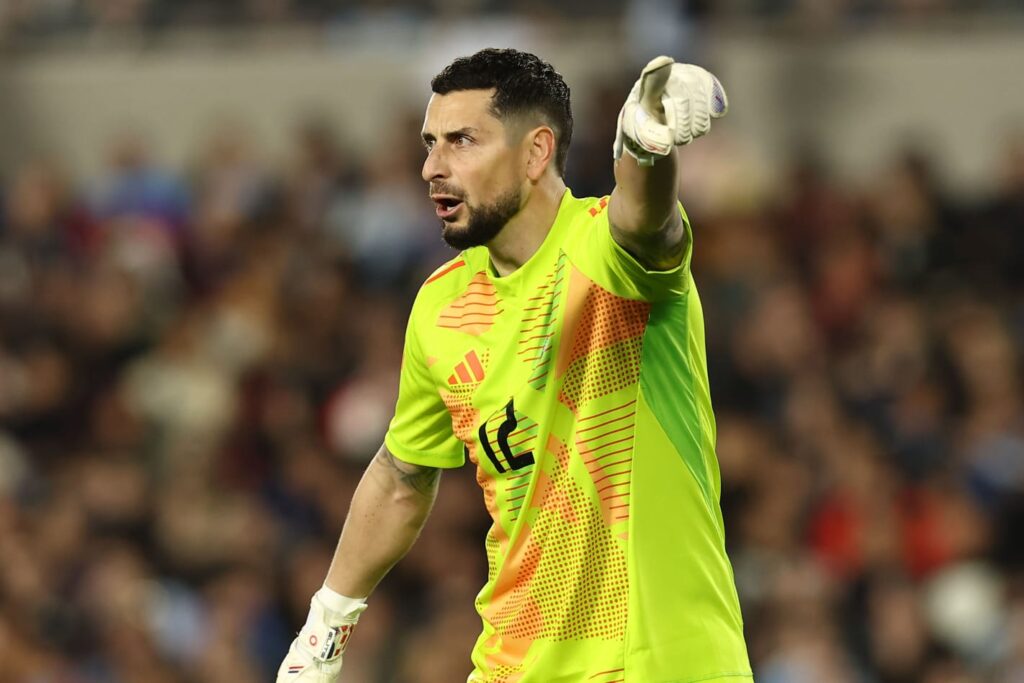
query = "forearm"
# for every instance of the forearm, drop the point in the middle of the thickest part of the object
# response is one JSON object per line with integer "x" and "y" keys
{"x": 643, "y": 203}
{"x": 669, "y": 106}
{"x": 642, "y": 211}
{"x": 389, "y": 508}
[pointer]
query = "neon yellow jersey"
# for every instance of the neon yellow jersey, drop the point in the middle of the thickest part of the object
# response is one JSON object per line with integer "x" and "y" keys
{"x": 578, "y": 387}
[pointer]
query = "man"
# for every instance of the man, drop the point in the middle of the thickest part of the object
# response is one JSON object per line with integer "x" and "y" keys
{"x": 563, "y": 352}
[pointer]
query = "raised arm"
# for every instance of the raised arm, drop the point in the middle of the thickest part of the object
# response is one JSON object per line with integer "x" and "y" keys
{"x": 388, "y": 511}
{"x": 642, "y": 211}
{"x": 670, "y": 105}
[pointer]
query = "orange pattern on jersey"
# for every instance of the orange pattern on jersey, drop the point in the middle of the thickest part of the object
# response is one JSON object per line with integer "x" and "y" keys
{"x": 566, "y": 579}
{"x": 475, "y": 310}
{"x": 469, "y": 371}
{"x": 445, "y": 269}
{"x": 540, "y": 320}
{"x": 607, "y": 333}
{"x": 503, "y": 673}
{"x": 595, "y": 210}
{"x": 497, "y": 540}
{"x": 459, "y": 402}
{"x": 458, "y": 397}
{"x": 604, "y": 441}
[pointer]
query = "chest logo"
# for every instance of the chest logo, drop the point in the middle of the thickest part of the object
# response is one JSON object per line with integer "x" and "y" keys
{"x": 468, "y": 371}
{"x": 504, "y": 438}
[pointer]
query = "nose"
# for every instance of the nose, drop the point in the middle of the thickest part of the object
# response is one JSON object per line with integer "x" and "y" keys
{"x": 434, "y": 166}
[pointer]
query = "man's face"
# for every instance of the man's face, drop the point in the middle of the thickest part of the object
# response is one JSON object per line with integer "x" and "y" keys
{"x": 476, "y": 176}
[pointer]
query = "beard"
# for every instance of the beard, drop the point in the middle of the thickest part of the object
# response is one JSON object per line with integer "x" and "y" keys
{"x": 484, "y": 222}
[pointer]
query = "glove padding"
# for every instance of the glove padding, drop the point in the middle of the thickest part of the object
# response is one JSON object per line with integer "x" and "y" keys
{"x": 689, "y": 97}
{"x": 315, "y": 655}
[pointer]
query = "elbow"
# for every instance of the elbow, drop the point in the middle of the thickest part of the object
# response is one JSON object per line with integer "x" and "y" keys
{"x": 659, "y": 248}
{"x": 415, "y": 497}
{"x": 404, "y": 497}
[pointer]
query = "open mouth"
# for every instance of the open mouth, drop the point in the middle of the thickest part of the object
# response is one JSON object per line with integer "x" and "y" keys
{"x": 446, "y": 206}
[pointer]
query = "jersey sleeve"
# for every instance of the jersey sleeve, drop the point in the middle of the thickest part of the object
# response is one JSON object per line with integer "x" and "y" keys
{"x": 601, "y": 258}
{"x": 421, "y": 429}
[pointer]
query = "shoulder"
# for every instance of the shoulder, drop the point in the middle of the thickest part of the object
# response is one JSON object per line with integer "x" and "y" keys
{"x": 444, "y": 269}
{"x": 448, "y": 281}
{"x": 593, "y": 250}
{"x": 450, "y": 275}
{"x": 577, "y": 218}
{"x": 583, "y": 216}
{"x": 587, "y": 208}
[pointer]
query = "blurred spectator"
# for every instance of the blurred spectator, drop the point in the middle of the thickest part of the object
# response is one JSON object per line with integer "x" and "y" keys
{"x": 648, "y": 22}
{"x": 139, "y": 194}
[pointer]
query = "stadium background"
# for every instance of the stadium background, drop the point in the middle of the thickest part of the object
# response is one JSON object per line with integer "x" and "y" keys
{"x": 211, "y": 228}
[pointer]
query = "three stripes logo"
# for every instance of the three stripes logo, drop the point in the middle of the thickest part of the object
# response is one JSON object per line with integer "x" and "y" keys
{"x": 468, "y": 371}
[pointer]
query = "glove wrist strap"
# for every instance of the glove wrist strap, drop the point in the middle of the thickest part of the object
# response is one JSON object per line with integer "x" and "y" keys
{"x": 338, "y": 603}
{"x": 332, "y": 617}
{"x": 643, "y": 157}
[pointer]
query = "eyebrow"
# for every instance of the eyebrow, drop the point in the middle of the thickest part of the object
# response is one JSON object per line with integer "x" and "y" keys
{"x": 451, "y": 135}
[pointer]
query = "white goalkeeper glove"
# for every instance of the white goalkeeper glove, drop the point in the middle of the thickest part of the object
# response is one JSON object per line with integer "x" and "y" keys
{"x": 669, "y": 105}
{"x": 315, "y": 655}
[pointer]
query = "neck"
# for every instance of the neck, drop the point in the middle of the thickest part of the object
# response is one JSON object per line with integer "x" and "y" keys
{"x": 525, "y": 232}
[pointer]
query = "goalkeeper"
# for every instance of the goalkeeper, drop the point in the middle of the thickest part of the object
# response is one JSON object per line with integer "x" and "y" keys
{"x": 562, "y": 352}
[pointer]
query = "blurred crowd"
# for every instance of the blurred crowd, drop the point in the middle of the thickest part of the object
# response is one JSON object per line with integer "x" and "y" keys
{"x": 27, "y": 19}
{"x": 197, "y": 363}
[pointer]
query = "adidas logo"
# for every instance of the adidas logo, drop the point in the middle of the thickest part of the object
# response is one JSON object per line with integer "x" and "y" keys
{"x": 468, "y": 371}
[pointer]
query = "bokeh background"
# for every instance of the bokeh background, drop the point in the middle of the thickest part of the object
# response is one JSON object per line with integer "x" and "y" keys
{"x": 211, "y": 229}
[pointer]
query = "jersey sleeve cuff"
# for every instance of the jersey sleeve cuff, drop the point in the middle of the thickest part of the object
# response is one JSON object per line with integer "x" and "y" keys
{"x": 654, "y": 285}
{"x": 415, "y": 457}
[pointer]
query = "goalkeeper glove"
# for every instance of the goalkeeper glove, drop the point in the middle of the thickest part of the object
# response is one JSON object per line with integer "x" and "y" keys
{"x": 670, "y": 104}
{"x": 315, "y": 655}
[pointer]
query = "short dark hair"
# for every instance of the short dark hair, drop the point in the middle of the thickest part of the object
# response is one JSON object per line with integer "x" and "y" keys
{"x": 523, "y": 84}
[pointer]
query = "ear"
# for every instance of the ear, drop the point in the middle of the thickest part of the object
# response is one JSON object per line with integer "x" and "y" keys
{"x": 540, "y": 151}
